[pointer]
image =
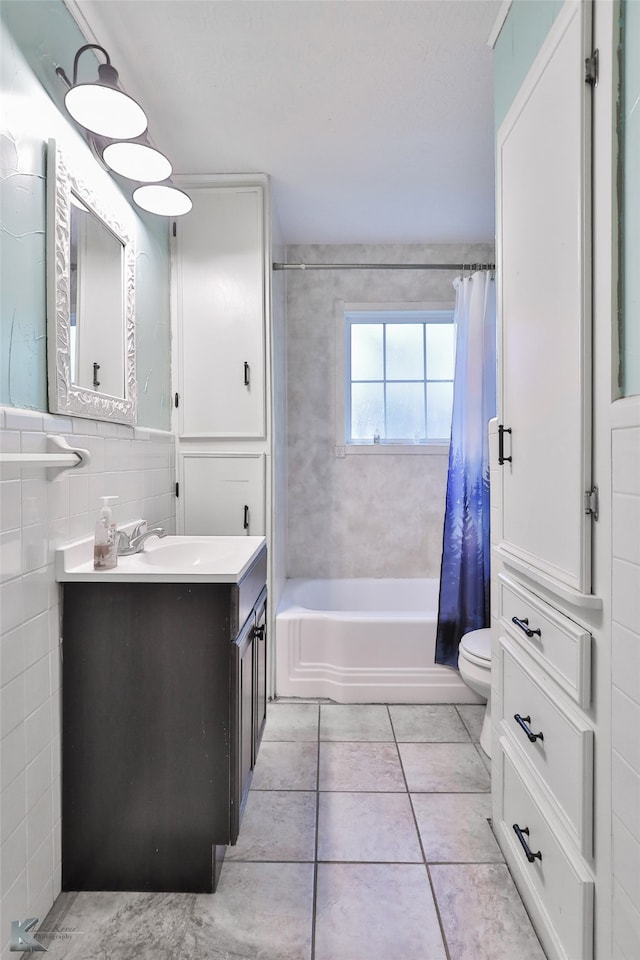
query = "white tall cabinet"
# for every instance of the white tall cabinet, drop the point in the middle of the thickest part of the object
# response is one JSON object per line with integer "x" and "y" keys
{"x": 550, "y": 728}
{"x": 221, "y": 342}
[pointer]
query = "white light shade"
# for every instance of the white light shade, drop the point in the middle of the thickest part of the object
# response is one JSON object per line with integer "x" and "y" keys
{"x": 136, "y": 161}
{"x": 106, "y": 111}
{"x": 165, "y": 201}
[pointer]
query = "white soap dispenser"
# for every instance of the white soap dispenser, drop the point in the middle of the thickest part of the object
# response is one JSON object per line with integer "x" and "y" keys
{"x": 105, "y": 547}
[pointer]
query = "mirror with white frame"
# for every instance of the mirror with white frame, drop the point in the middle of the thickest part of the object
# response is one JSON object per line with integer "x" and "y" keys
{"x": 90, "y": 295}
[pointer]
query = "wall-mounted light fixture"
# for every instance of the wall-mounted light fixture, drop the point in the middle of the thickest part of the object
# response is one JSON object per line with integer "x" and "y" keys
{"x": 120, "y": 123}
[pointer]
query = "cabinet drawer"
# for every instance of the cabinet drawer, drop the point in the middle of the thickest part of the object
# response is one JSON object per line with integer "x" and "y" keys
{"x": 555, "y": 886}
{"x": 558, "y": 645}
{"x": 561, "y": 755}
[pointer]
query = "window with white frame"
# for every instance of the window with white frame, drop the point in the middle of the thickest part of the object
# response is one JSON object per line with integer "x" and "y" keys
{"x": 399, "y": 376}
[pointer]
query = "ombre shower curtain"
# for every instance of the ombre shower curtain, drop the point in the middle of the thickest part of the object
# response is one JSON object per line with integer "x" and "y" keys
{"x": 464, "y": 576}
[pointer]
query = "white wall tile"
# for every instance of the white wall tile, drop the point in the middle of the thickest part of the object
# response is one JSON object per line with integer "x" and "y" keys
{"x": 13, "y": 906}
{"x": 16, "y": 419}
{"x": 84, "y": 427}
{"x": 36, "y": 686}
{"x": 33, "y": 443}
{"x": 626, "y": 924}
{"x": 12, "y": 856}
{"x": 626, "y": 859}
{"x": 626, "y": 794}
{"x": 11, "y": 705}
{"x": 57, "y": 494}
{"x": 39, "y": 777}
{"x": 12, "y": 754}
{"x": 39, "y": 823}
{"x": 11, "y": 605}
{"x": 626, "y": 527}
{"x": 626, "y": 661}
{"x": 10, "y": 504}
{"x": 44, "y": 515}
{"x": 626, "y": 594}
{"x": 35, "y": 547}
{"x": 79, "y": 493}
{"x": 625, "y": 726}
{"x": 37, "y": 730}
{"x": 34, "y": 501}
{"x": 626, "y": 460}
{"x": 39, "y": 870}
{"x": 10, "y": 554}
{"x": 12, "y": 654}
{"x": 12, "y": 806}
{"x": 36, "y": 639}
{"x": 626, "y": 691}
{"x": 35, "y": 587}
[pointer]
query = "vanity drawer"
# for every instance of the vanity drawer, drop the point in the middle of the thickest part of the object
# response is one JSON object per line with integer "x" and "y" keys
{"x": 555, "y": 884}
{"x": 561, "y": 647}
{"x": 559, "y": 748}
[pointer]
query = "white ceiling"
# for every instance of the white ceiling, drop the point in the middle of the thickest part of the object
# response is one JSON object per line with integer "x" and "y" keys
{"x": 373, "y": 118}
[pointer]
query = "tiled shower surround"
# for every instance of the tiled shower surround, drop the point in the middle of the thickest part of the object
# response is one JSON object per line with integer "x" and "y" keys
{"x": 36, "y": 515}
{"x": 377, "y": 515}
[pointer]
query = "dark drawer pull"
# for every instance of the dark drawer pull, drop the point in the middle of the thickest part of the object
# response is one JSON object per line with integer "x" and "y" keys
{"x": 247, "y": 374}
{"x": 520, "y": 831}
{"x": 523, "y": 721}
{"x": 245, "y": 522}
{"x": 524, "y": 625}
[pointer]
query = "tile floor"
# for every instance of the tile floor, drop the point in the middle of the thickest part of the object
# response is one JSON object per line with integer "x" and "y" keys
{"x": 365, "y": 837}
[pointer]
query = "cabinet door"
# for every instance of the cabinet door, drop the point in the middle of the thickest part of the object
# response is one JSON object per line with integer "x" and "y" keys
{"x": 222, "y": 495}
{"x": 242, "y": 672}
{"x": 220, "y": 294}
{"x": 260, "y": 681}
{"x": 544, "y": 281}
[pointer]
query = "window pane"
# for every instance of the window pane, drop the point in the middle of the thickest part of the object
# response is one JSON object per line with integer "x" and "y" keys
{"x": 405, "y": 411}
{"x": 405, "y": 360}
{"x": 366, "y": 351}
{"x": 440, "y": 351}
{"x": 367, "y": 410}
{"x": 439, "y": 403}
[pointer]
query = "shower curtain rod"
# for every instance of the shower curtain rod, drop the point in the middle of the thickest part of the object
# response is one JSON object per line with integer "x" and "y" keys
{"x": 384, "y": 266}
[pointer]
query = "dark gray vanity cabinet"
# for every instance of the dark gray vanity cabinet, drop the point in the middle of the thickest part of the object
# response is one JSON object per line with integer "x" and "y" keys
{"x": 164, "y": 696}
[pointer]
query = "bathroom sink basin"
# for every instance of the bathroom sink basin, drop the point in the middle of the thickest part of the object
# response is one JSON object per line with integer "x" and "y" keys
{"x": 191, "y": 552}
{"x": 169, "y": 559}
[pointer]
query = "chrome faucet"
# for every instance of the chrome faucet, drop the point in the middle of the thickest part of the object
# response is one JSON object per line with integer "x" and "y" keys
{"x": 135, "y": 544}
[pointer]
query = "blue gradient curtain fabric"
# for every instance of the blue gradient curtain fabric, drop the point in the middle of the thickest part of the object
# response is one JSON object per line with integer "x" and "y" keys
{"x": 464, "y": 576}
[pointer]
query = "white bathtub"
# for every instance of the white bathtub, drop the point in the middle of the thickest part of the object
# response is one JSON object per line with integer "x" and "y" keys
{"x": 363, "y": 641}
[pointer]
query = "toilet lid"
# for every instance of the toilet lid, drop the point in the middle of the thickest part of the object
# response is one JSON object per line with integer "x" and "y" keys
{"x": 478, "y": 643}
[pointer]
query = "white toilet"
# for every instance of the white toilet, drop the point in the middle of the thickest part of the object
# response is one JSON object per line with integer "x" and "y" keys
{"x": 474, "y": 663}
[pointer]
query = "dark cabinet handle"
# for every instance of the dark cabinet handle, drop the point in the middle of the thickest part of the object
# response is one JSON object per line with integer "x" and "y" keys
{"x": 520, "y": 831}
{"x": 96, "y": 382}
{"x": 246, "y": 517}
{"x": 523, "y": 722}
{"x": 501, "y": 432}
{"x": 524, "y": 625}
{"x": 247, "y": 374}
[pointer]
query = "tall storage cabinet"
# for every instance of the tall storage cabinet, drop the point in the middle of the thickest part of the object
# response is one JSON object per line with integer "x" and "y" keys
{"x": 221, "y": 268}
{"x": 221, "y": 314}
{"x": 546, "y": 717}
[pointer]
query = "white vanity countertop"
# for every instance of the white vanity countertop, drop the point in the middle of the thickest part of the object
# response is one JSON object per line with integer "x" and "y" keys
{"x": 166, "y": 560}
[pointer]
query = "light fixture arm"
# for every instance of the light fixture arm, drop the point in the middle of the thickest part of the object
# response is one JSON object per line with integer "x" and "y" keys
{"x": 106, "y": 72}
